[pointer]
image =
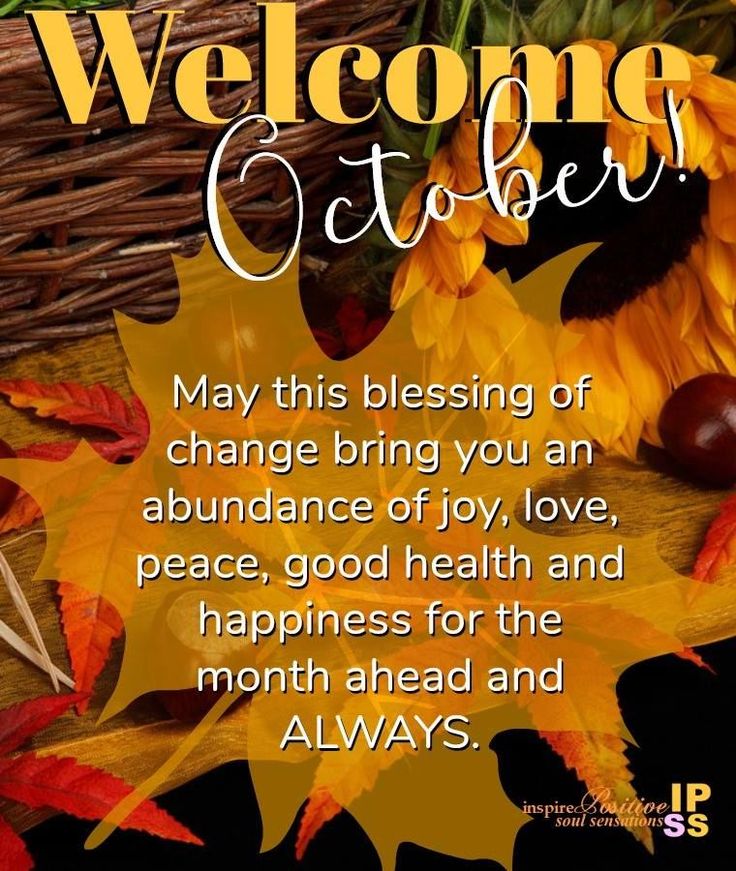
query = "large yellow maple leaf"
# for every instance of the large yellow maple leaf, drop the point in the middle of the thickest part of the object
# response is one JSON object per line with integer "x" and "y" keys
{"x": 252, "y": 333}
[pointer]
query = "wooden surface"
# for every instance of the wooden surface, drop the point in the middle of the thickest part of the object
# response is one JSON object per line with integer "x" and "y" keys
{"x": 135, "y": 743}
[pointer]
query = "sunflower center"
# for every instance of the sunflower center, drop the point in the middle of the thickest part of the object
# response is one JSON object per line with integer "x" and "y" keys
{"x": 640, "y": 241}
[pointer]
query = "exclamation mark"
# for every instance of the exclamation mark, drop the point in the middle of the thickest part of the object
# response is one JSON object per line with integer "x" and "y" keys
{"x": 678, "y": 140}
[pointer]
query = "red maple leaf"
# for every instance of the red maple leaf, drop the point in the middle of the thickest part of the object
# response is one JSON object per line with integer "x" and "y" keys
{"x": 13, "y": 853}
{"x": 718, "y": 552}
{"x": 97, "y": 406}
{"x": 719, "y": 547}
{"x": 62, "y": 783}
{"x": 90, "y": 624}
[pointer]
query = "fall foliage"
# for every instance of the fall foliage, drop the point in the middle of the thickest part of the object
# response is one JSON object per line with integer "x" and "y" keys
{"x": 61, "y": 783}
{"x": 719, "y": 548}
{"x": 90, "y": 624}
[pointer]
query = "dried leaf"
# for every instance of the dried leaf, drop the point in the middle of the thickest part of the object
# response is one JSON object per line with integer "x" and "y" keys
{"x": 83, "y": 791}
{"x": 19, "y": 722}
{"x": 596, "y": 759}
{"x": 13, "y": 853}
{"x": 22, "y": 513}
{"x": 719, "y": 548}
{"x": 98, "y": 405}
{"x": 90, "y": 625}
{"x": 600, "y": 760}
{"x": 689, "y": 655}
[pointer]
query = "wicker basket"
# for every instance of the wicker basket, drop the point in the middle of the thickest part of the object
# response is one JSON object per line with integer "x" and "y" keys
{"x": 90, "y": 215}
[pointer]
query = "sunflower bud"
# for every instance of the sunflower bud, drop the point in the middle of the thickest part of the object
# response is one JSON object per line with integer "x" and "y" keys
{"x": 597, "y": 20}
{"x": 554, "y": 22}
{"x": 634, "y": 20}
{"x": 498, "y": 28}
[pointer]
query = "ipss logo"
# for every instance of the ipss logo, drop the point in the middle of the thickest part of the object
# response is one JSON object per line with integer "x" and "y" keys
{"x": 687, "y": 820}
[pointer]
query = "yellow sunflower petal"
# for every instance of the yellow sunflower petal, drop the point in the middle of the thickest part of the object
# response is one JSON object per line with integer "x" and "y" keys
{"x": 416, "y": 272}
{"x": 680, "y": 298}
{"x": 455, "y": 262}
{"x": 488, "y": 347}
{"x": 431, "y": 316}
{"x": 465, "y": 222}
{"x": 717, "y": 262}
{"x": 639, "y": 356}
{"x": 629, "y": 149}
{"x": 698, "y": 135}
{"x": 722, "y": 207}
{"x": 450, "y": 339}
{"x": 607, "y": 412}
{"x": 718, "y": 95}
{"x": 628, "y": 443}
{"x": 505, "y": 231}
{"x": 722, "y": 343}
{"x": 409, "y": 212}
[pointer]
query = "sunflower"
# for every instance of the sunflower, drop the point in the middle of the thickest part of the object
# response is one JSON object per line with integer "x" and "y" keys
{"x": 654, "y": 305}
{"x": 668, "y": 314}
{"x": 447, "y": 262}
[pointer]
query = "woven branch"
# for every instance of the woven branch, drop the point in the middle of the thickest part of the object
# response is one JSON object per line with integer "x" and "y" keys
{"x": 91, "y": 214}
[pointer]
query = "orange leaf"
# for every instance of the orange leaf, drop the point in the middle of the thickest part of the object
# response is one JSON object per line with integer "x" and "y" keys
{"x": 719, "y": 548}
{"x": 83, "y": 791}
{"x": 592, "y": 756}
{"x": 90, "y": 625}
{"x": 22, "y": 513}
{"x": 586, "y": 746}
{"x": 320, "y": 809}
{"x": 63, "y": 784}
{"x": 689, "y": 655}
{"x": 98, "y": 405}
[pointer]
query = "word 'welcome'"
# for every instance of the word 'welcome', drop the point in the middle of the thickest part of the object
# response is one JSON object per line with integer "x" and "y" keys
{"x": 329, "y": 72}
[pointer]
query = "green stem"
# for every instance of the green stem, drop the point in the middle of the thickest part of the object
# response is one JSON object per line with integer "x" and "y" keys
{"x": 687, "y": 13}
{"x": 720, "y": 7}
{"x": 669, "y": 22}
{"x": 456, "y": 44}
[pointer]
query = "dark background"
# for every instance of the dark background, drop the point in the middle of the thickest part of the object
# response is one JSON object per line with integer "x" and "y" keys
{"x": 683, "y": 719}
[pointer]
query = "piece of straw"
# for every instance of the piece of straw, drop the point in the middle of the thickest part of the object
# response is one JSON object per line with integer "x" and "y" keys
{"x": 30, "y": 653}
{"x": 24, "y": 609}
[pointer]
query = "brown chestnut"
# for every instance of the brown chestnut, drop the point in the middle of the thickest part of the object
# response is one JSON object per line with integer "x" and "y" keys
{"x": 8, "y": 489}
{"x": 698, "y": 428}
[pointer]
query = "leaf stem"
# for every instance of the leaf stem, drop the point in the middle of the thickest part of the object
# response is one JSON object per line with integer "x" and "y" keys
{"x": 720, "y": 7}
{"x": 456, "y": 44}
